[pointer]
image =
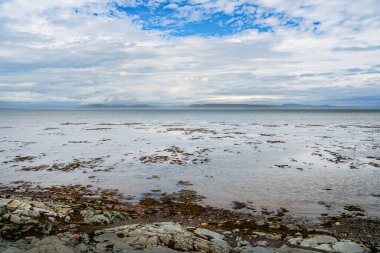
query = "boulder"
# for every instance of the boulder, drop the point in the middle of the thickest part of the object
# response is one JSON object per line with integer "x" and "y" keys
{"x": 3, "y": 209}
{"x": 14, "y": 204}
{"x": 324, "y": 243}
{"x": 53, "y": 244}
{"x": 288, "y": 249}
{"x": 103, "y": 217}
{"x": 21, "y": 220}
{"x": 349, "y": 247}
{"x": 166, "y": 234}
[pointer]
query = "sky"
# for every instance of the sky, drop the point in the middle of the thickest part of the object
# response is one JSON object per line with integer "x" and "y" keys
{"x": 181, "y": 52}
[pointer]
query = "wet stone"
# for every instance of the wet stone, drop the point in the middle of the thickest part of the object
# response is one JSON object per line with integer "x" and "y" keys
{"x": 168, "y": 234}
{"x": 327, "y": 243}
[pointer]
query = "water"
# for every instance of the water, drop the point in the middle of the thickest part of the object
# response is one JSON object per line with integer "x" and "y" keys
{"x": 301, "y": 160}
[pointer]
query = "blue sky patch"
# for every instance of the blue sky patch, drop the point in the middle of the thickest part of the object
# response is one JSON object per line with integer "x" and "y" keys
{"x": 186, "y": 19}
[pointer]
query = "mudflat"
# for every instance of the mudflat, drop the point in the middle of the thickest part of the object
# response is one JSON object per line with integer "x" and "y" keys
{"x": 225, "y": 181}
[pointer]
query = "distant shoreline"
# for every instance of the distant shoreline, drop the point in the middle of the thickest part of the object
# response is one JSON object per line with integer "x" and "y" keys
{"x": 189, "y": 107}
{"x": 192, "y": 109}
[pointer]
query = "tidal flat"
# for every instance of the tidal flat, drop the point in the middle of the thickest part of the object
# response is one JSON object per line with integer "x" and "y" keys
{"x": 251, "y": 180}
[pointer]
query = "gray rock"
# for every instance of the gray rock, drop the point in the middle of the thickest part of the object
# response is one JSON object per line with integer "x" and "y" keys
{"x": 97, "y": 219}
{"x": 34, "y": 208}
{"x": 101, "y": 217}
{"x": 287, "y": 249}
{"x": 262, "y": 243}
{"x": 242, "y": 243}
{"x": 12, "y": 249}
{"x": 349, "y": 247}
{"x": 259, "y": 233}
{"x": 273, "y": 236}
{"x": 260, "y": 223}
{"x": 165, "y": 234}
{"x": 19, "y": 246}
{"x": 82, "y": 247}
{"x": 250, "y": 249}
{"x": 21, "y": 220}
{"x": 275, "y": 226}
{"x": 6, "y": 216}
{"x": 53, "y": 244}
{"x": 318, "y": 242}
{"x": 291, "y": 227}
{"x": 3, "y": 209}
{"x": 326, "y": 243}
{"x": 264, "y": 250}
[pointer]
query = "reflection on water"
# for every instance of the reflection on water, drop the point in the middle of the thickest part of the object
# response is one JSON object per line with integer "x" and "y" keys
{"x": 310, "y": 162}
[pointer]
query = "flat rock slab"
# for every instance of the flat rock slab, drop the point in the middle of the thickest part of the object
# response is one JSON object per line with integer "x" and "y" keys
{"x": 287, "y": 249}
{"x": 322, "y": 243}
{"x": 166, "y": 234}
{"x": 250, "y": 249}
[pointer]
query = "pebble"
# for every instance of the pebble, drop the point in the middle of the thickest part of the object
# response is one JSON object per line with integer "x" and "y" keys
{"x": 259, "y": 233}
{"x": 275, "y": 226}
{"x": 273, "y": 236}
{"x": 291, "y": 227}
{"x": 204, "y": 224}
{"x": 242, "y": 243}
{"x": 2, "y": 209}
{"x": 260, "y": 223}
{"x": 262, "y": 243}
{"x": 75, "y": 236}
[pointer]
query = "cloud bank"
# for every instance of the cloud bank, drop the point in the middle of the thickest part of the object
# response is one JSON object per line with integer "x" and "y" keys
{"x": 194, "y": 51}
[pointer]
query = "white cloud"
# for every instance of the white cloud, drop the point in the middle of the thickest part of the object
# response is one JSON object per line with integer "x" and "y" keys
{"x": 32, "y": 97}
{"x": 241, "y": 99}
{"x": 49, "y": 52}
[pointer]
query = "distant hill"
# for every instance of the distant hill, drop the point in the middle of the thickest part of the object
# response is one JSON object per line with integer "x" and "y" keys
{"x": 64, "y": 106}
{"x": 263, "y": 106}
{"x": 105, "y": 106}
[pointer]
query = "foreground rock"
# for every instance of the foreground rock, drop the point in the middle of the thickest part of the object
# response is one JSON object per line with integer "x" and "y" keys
{"x": 322, "y": 243}
{"x": 83, "y": 219}
{"x": 54, "y": 244}
{"x": 22, "y": 217}
{"x": 169, "y": 237}
{"x": 167, "y": 234}
{"x": 157, "y": 237}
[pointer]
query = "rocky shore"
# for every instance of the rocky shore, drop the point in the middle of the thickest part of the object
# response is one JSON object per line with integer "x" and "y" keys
{"x": 173, "y": 237}
{"x": 82, "y": 219}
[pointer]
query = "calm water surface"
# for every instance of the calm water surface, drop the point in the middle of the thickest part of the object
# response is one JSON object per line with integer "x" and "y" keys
{"x": 301, "y": 160}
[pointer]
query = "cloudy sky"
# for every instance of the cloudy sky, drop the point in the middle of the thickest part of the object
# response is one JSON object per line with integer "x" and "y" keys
{"x": 190, "y": 51}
